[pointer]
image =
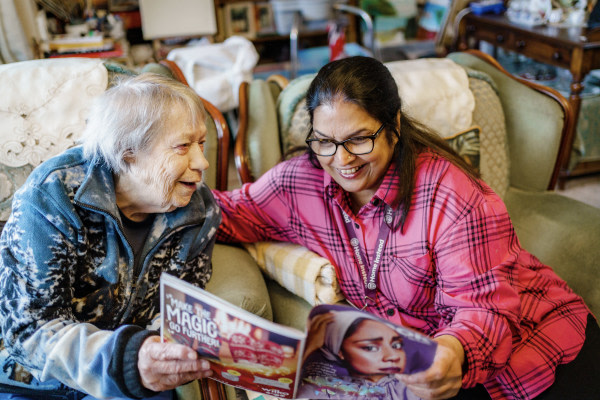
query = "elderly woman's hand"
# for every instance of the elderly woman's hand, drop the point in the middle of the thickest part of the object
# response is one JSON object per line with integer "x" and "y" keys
{"x": 444, "y": 378}
{"x": 165, "y": 366}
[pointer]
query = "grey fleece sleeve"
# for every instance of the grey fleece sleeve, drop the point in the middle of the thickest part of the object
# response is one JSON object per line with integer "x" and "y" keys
{"x": 123, "y": 367}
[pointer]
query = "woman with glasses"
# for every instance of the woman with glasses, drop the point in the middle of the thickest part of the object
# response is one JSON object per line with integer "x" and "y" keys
{"x": 419, "y": 239}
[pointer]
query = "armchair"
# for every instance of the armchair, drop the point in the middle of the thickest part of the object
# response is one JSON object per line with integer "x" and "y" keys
{"x": 44, "y": 104}
{"x": 522, "y": 140}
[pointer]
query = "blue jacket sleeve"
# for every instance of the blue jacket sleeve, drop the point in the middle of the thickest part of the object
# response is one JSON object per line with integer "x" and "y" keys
{"x": 39, "y": 328}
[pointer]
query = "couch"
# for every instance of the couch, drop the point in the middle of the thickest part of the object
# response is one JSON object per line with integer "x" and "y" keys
{"x": 43, "y": 105}
{"x": 521, "y": 140}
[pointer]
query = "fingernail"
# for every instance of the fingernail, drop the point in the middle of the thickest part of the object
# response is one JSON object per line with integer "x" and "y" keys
{"x": 206, "y": 365}
{"x": 192, "y": 355}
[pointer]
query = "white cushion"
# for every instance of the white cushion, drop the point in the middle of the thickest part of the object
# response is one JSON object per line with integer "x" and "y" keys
{"x": 435, "y": 92}
{"x": 43, "y": 109}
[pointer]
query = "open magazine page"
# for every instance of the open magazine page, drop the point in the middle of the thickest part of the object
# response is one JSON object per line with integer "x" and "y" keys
{"x": 352, "y": 354}
{"x": 245, "y": 350}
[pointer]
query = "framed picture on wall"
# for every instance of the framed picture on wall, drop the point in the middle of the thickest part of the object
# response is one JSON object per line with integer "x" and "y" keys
{"x": 240, "y": 20}
{"x": 265, "y": 23}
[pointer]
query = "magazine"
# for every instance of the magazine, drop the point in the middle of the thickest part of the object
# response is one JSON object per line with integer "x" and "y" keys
{"x": 345, "y": 353}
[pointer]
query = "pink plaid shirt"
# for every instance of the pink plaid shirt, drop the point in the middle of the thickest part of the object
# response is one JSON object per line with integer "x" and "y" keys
{"x": 457, "y": 268}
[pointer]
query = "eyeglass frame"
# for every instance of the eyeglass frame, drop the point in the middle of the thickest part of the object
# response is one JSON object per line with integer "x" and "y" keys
{"x": 343, "y": 142}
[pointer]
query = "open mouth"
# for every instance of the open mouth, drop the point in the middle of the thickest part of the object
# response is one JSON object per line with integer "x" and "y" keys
{"x": 350, "y": 172}
{"x": 191, "y": 185}
{"x": 391, "y": 370}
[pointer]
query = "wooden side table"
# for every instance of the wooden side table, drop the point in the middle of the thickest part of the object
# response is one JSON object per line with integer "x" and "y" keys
{"x": 576, "y": 49}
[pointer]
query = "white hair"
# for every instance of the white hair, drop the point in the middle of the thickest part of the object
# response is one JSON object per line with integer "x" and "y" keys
{"x": 128, "y": 117}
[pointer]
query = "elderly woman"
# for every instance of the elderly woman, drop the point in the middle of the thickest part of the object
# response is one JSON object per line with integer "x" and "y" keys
{"x": 90, "y": 233}
{"x": 417, "y": 238}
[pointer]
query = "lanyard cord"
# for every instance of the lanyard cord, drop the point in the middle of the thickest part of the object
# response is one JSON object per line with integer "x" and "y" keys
{"x": 369, "y": 274}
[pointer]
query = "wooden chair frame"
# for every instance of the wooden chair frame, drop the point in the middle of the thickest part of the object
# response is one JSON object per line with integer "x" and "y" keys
{"x": 567, "y": 130}
{"x": 240, "y": 152}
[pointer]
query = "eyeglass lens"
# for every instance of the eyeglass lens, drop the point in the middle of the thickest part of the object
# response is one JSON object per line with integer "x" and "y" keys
{"x": 356, "y": 146}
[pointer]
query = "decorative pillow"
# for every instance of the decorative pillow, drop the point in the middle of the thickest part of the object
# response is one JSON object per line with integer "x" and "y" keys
{"x": 489, "y": 116}
{"x": 299, "y": 270}
{"x": 44, "y": 105}
{"x": 292, "y": 114}
{"x": 435, "y": 92}
{"x": 466, "y": 144}
{"x": 294, "y": 142}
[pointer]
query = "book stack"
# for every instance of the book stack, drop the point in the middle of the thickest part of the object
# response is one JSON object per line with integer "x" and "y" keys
{"x": 63, "y": 44}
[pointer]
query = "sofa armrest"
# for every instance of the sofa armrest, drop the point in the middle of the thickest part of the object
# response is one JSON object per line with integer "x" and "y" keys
{"x": 237, "y": 279}
{"x": 563, "y": 233}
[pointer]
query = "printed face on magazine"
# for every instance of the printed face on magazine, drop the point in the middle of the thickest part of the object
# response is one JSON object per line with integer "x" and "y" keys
{"x": 373, "y": 350}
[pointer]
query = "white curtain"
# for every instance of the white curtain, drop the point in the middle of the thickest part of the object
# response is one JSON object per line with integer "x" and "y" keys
{"x": 18, "y": 30}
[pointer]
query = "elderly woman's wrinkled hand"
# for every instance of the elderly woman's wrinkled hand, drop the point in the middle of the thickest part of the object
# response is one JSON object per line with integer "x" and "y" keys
{"x": 165, "y": 366}
{"x": 444, "y": 378}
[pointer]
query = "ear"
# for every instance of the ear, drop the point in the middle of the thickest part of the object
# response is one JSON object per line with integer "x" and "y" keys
{"x": 340, "y": 355}
{"x": 129, "y": 157}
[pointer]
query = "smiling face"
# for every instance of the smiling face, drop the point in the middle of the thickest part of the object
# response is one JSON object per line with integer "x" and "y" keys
{"x": 164, "y": 177}
{"x": 358, "y": 175}
{"x": 373, "y": 351}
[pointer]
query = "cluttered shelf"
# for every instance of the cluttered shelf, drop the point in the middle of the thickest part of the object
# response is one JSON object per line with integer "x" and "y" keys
{"x": 575, "y": 49}
{"x": 270, "y": 22}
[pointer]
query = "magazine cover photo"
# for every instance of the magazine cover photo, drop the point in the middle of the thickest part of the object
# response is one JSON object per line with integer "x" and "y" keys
{"x": 242, "y": 354}
{"x": 352, "y": 354}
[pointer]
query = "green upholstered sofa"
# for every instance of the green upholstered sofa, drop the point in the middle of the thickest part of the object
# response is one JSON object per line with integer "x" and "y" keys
{"x": 522, "y": 133}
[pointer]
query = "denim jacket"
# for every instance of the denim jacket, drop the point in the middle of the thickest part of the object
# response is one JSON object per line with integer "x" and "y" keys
{"x": 73, "y": 307}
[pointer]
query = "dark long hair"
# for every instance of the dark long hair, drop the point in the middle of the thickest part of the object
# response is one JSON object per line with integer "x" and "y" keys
{"x": 368, "y": 83}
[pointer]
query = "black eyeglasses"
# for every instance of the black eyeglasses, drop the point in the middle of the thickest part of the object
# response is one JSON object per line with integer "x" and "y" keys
{"x": 357, "y": 145}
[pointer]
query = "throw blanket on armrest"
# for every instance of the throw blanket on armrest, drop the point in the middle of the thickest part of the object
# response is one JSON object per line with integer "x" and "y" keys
{"x": 299, "y": 270}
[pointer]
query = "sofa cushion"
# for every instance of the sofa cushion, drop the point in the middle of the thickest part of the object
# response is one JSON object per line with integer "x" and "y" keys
{"x": 44, "y": 104}
{"x": 435, "y": 92}
{"x": 562, "y": 233}
{"x": 466, "y": 144}
{"x": 294, "y": 142}
{"x": 489, "y": 116}
{"x": 292, "y": 115}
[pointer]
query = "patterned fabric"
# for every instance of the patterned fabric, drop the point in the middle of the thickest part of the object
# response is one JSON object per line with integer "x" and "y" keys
{"x": 294, "y": 140}
{"x": 466, "y": 144}
{"x": 299, "y": 270}
{"x": 457, "y": 267}
{"x": 71, "y": 294}
{"x": 43, "y": 104}
{"x": 489, "y": 116}
{"x": 287, "y": 104}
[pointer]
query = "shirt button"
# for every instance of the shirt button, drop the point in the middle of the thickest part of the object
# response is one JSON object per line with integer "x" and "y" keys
{"x": 390, "y": 312}
{"x": 375, "y": 202}
{"x": 357, "y": 225}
